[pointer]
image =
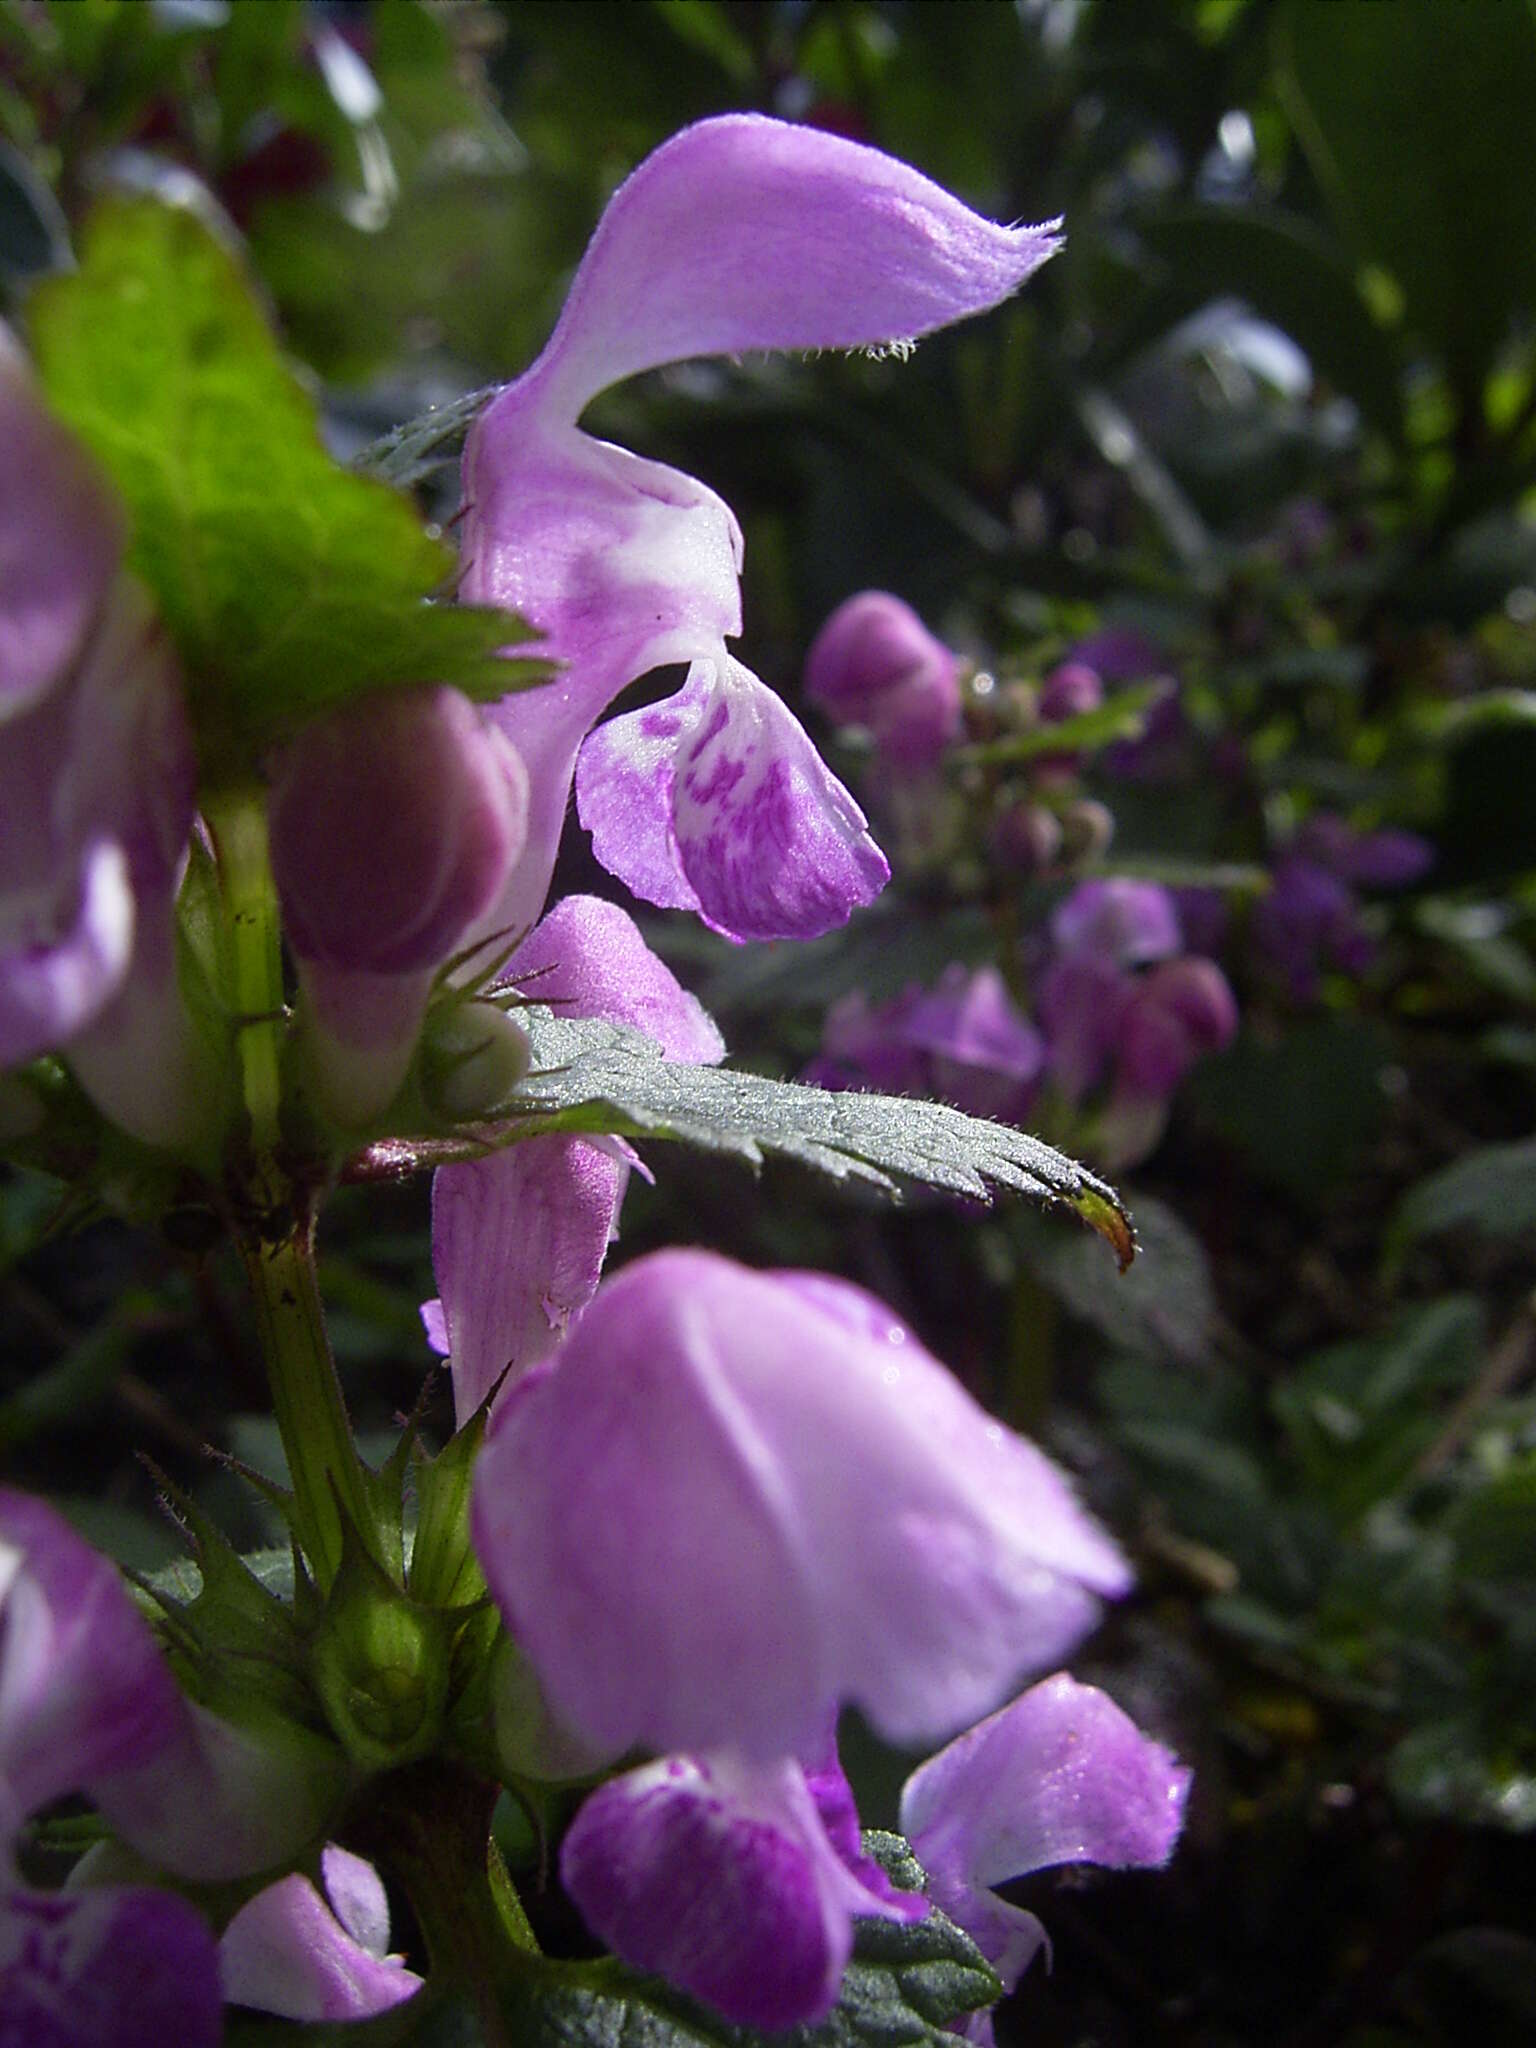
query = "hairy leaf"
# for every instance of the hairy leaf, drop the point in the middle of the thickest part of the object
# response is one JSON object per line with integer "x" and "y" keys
{"x": 595, "y": 1077}
{"x": 290, "y": 584}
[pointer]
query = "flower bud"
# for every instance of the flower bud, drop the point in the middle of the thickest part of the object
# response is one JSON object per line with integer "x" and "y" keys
{"x": 473, "y": 1055}
{"x": 1118, "y": 920}
{"x": 1179, "y": 1011}
{"x": 1087, "y": 831}
{"x": 394, "y": 823}
{"x": 874, "y": 663}
{"x": 1069, "y": 691}
{"x": 1027, "y": 838}
{"x": 381, "y": 1666}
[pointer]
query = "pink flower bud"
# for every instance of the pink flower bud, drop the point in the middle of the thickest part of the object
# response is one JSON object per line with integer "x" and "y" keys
{"x": 875, "y": 663}
{"x": 1069, "y": 691}
{"x": 394, "y": 823}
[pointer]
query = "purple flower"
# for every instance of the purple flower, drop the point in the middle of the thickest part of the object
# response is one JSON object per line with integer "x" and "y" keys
{"x": 731, "y": 1500}
{"x": 1176, "y": 1014}
{"x": 963, "y": 1040}
{"x": 874, "y": 663}
{"x": 96, "y": 786}
{"x": 1078, "y": 1002}
{"x": 1308, "y": 919}
{"x": 394, "y": 823}
{"x": 1060, "y": 1776}
{"x": 1169, "y": 1020}
{"x": 519, "y": 1238}
{"x": 724, "y": 1877}
{"x": 86, "y": 1699}
{"x": 1069, "y": 691}
{"x": 1388, "y": 859}
{"x": 740, "y": 233}
{"x": 1122, "y": 922}
{"x": 290, "y": 1951}
{"x": 87, "y": 1703}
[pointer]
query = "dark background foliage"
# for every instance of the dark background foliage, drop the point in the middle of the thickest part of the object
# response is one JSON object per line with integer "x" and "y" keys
{"x": 1275, "y": 409}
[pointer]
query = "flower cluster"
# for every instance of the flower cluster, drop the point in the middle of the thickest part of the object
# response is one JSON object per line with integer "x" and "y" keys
{"x": 1309, "y": 922}
{"x": 1121, "y": 1013}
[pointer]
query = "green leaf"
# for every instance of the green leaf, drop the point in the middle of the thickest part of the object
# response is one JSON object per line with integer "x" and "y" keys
{"x": 1165, "y": 1307}
{"x": 1301, "y": 1105}
{"x": 1123, "y": 717}
{"x": 594, "y": 1077}
{"x": 290, "y": 585}
{"x": 1416, "y": 118}
{"x": 1492, "y": 1190}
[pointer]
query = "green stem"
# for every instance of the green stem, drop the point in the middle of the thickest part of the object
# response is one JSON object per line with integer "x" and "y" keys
{"x": 431, "y": 1825}
{"x": 277, "y": 1240}
{"x": 239, "y": 828}
{"x": 327, "y": 1474}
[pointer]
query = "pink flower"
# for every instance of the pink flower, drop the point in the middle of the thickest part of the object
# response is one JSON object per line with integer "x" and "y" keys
{"x": 730, "y": 1501}
{"x": 740, "y": 233}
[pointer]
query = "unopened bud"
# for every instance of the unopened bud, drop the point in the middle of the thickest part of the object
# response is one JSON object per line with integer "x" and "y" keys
{"x": 1069, "y": 691}
{"x": 1027, "y": 838}
{"x": 1087, "y": 828}
{"x": 874, "y": 663}
{"x": 394, "y": 822}
{"x": 381, "y": 1667}
{"x": 473, "y": 1054}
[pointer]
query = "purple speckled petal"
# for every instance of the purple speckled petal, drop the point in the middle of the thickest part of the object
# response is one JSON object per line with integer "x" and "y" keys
{"x": 624, "y": 565}
{"x": 287, "y": 1952}
{"x": 838, "y": 1813}
{"x": 874, "y": 1536}
{"x": 1061, "y": 1775}
{"x": 720, "y": 1877}
{"x": 106, "y": 1969}
{"x": 715, "y": 800}
{"x": 61, "y": 536}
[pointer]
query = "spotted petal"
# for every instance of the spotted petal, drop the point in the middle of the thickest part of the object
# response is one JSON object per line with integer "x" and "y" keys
{"x": 716, "y": 801}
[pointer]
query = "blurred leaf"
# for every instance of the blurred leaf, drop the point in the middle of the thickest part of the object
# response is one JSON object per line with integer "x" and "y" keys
{"x": 1290, "y": 275}
{"x": 1299, "y": 1106}
{"x": 1492, "y": 1190}
{"x": 591, "y": 1076}
{"x": 1494, "y": 1527}
{"x": 1444, "y": 1768}
{"x": 34, "y": 235}
{"x": 1163, "y": 1307}
{"x": 1121, "y": 717}
{"x": 1476, "y": 1983}
{"x": 1359, "y": 1415}
{"x": 1416, "y": 118}
{"x": 290, "y": 585}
